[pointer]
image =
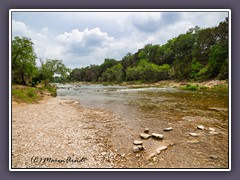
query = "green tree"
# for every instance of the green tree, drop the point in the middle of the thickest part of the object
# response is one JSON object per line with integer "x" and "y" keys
{"x": 205, "y": 39}
{"x": 165, "y": 54}
{"x": 108, "y": 63}
{"x": 147, "y": 71}
{"x": 182, "y": 49}
{"x": 218, "y": 60}
{"x": 52, "y": 67}
{"x": 114, "y": 73}
{"x": 23, "y": 60}
{"x": 195, "y": 69}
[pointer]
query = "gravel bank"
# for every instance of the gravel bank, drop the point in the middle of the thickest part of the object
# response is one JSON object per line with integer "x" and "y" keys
{"x": 58, "y": 134}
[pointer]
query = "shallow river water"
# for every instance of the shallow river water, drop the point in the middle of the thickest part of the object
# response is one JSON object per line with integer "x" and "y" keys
{"x": 159, "y": 108}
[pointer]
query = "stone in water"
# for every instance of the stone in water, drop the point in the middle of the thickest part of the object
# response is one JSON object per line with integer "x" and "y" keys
{"x": 136, "y": 149}
{"x": 161, "y": 148}
{"x": 157, "y": 136}
{"x": 193, "y": 134}
{"x": 213, "y": 132}
{"x": 211, "y": 129}
{"x": 145, "y": 136}
{"x": 168, "y": 129}
{"x": 136, "y": 142}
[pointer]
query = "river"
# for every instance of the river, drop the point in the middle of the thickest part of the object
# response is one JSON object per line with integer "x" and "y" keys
{"x": 157, "y": 108}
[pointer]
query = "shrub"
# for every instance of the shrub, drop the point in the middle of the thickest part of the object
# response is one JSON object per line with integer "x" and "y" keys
{"x": 190, "y": 87}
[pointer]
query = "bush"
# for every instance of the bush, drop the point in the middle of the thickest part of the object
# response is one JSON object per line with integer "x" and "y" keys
{"x": 51, "y": 89}
{"x": 190, "y": 87}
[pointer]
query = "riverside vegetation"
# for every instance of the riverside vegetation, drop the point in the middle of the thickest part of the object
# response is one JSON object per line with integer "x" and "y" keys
{"x": 25, "y": 94}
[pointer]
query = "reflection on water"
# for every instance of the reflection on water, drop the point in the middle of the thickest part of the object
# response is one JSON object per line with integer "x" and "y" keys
{"x": 158, "y": 108}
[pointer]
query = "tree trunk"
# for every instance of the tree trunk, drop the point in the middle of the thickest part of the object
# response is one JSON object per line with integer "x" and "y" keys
{"x": 23, "y": 80}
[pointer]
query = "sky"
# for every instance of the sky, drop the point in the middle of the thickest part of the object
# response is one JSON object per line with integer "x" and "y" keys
{"x": 80, "y": 38}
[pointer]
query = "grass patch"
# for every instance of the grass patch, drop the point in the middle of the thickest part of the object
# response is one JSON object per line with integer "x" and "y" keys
{"x": 50, "y": 89}
{"x": 107, "y": 83}
{"x": 25, "y": 94}
{"x": 191, "y": 87}
{"x": 221, "y": 88}
{"x": 203, "y": 87}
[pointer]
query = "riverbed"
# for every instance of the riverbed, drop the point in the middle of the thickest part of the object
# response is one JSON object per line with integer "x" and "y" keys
{"x": 157, "y": 108}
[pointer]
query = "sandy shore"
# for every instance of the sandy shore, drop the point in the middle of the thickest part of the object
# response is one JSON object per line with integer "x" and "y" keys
{"x": 58, "y": 134}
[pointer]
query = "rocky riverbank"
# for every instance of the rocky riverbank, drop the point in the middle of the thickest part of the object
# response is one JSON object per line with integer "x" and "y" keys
{"x": 57, "y": 133}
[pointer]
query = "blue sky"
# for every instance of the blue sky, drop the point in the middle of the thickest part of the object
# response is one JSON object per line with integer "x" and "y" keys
{"x": 83, "y": 38}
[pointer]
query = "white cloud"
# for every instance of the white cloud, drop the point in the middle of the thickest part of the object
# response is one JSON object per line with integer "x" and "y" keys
{"x": 204, "y": 19}
{"x": 20, "y": 29}
{"x": 85, "y": 42}
{"x": 45, "y": 30}
{"x": 54, "y": 52}
{"x": 150, "y": 22}
{"x": 42, "y": 35}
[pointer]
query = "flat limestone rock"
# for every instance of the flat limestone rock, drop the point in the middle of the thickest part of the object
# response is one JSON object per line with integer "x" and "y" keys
{"x": 213, "y": 132}
{"x": 157, "y": 136}
{"x": 213, "y": 157}
{"x": 162, "y": 146}
{"x": 218, "y": 109}
{"x": 159, "y": 149}
{"x": 168, "y": 129}
{"x": 193, "y": 134}
{"x": 193, "y": 141}
{"x": 211, "y": 129}
{"x": 145, "y": 136}
{"x": 136, "y": 142}
{"x": 151, "y": 156}
{"x": 136, "y": 149}
{"x": 201, "y": 127}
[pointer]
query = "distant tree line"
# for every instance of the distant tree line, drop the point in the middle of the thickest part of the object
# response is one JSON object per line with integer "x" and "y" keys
{"x": 199, "y": 54}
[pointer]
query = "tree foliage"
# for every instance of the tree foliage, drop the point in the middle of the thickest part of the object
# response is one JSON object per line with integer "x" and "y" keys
{"x": 147, "y": 71}
{"x": 198, "y": 54}
{"x": 115, "y": 73}
{"x": 23, "y": 60}
{"x": 50, "y": 68}
{"x": 24, "y": 67}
